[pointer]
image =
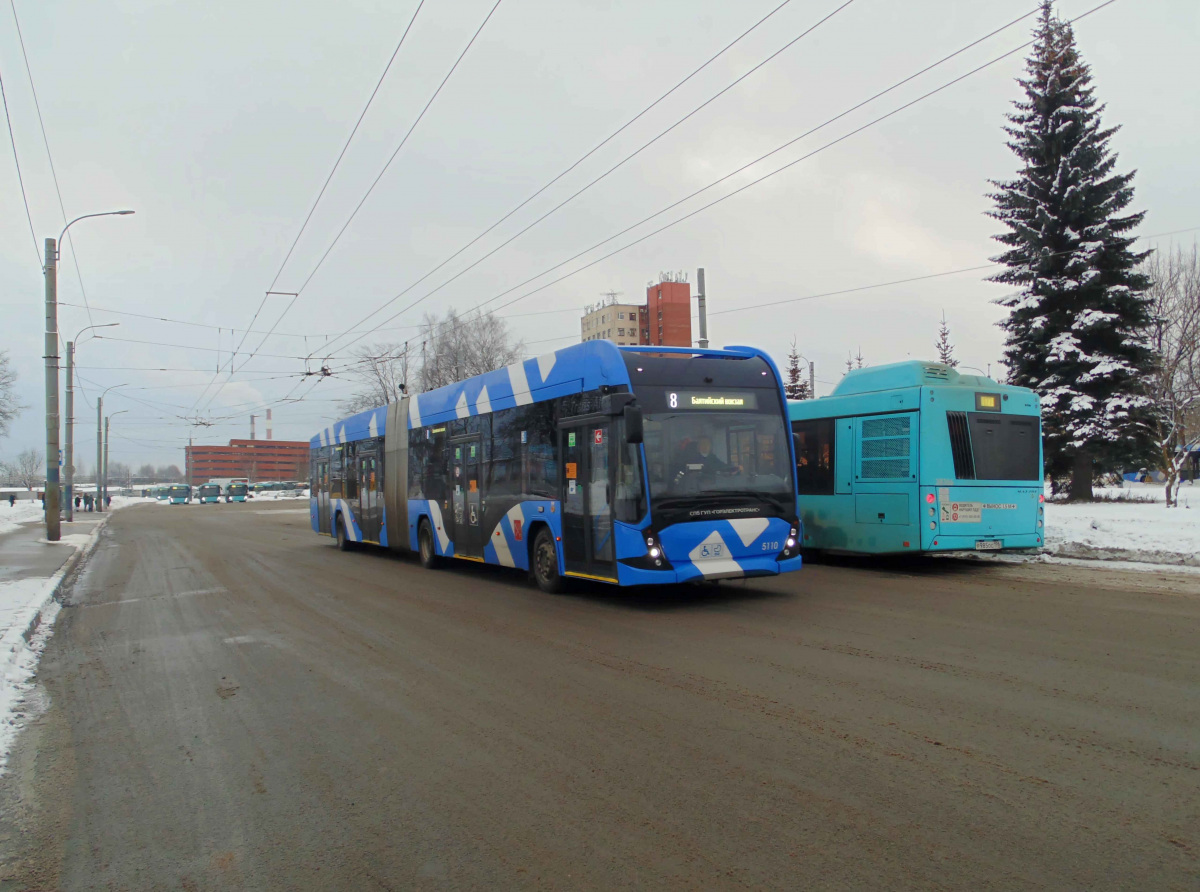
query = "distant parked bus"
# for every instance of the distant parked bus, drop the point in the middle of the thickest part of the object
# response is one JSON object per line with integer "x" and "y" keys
{"x": 235, "y": 492}
{"x": 208, "y": 493}
{"x": 623, "y": 465}
{"x": 915, "y": 457}
{"x": 180, "y": 493}
{"x": 162, "y": 493}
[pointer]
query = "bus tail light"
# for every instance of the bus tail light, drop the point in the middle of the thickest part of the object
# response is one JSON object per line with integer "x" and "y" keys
{"x": 930, "y": 498}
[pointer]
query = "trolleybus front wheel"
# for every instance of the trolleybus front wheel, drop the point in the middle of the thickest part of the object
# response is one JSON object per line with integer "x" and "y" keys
{"x": 425, "y": 549}
{"x": 545, "y": 563}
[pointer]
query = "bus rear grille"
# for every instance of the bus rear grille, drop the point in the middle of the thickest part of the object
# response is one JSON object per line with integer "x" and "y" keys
{"x": 960, "y": 446}
{"x": 885, "y": 468}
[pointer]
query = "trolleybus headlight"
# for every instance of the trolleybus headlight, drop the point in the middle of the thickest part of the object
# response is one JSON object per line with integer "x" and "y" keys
{"x": 654, "y": 551}
{"x": 791, "y": 542}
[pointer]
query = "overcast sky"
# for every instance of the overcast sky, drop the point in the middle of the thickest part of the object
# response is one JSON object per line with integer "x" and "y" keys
{"x": 218, "y": 122}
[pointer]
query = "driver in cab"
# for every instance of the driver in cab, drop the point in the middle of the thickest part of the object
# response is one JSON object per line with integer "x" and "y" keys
{"x": 698, "y": 457}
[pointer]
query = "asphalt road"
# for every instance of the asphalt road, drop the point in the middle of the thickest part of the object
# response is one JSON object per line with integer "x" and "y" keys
{"x": 234, "y": 704}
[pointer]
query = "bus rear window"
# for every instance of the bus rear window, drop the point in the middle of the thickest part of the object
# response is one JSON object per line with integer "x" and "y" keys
{"x": 1002, "y": 447}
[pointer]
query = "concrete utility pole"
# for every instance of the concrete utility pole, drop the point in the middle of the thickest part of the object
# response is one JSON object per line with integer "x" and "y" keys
{"x": 812, "y": 380}
{"x": 104, "y": 495}
{"x": 53, "y": 527}
{"x": 99, "y": 448}
{"x": 701, "y": 300}
{"x": 50, "y": 272}
{"x": 68, "y": 452}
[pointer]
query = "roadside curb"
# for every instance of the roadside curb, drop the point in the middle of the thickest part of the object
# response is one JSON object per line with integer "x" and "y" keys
{"x": 16, "y": 638}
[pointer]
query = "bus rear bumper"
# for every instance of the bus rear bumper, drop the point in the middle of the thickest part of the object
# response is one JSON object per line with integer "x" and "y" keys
{"x": 1011, "y": 542}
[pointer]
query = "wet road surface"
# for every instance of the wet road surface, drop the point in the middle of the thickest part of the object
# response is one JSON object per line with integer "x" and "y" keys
{"x": 233, "y": 703}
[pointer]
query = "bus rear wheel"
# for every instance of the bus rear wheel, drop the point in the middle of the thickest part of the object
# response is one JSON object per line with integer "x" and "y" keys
{"x": 545, "y": 563}
{"x": 425, "y": 549}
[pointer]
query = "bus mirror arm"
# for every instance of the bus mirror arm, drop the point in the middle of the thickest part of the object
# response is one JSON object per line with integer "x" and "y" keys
{"x": 633, "y": 424}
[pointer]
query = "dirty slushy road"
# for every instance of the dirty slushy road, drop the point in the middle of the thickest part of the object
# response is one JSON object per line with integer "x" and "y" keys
{"x": 233, "y": 703}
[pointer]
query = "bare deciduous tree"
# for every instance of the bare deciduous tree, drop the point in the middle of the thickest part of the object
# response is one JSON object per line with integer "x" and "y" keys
{"x": 380, "y": 372}
{"x": 1175, "y": 339}
{"x": 9, "y": 407}
{"x": 456, "y": 347}
{"x": 29, "y": 469}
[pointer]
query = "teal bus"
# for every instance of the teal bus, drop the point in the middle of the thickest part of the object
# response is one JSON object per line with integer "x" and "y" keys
{"x": 208, "y": 493}
{"x": 915, "y": 457}
{"x": 161, "y": 493}
{"x": 180, "y": 494}
{"x": 236, "y": 492}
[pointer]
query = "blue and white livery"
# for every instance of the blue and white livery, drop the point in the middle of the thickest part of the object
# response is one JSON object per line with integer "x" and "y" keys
{"x": 632, "y": 466}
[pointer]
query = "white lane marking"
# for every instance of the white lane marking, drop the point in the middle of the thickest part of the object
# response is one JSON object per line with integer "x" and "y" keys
{"x": 199, "y": 591}
{"x": 749, "y": 528}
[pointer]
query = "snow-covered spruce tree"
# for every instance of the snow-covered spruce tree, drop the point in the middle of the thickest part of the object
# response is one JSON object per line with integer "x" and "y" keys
{"x": 1076, "y": 330}
{"x": 945, "y": 349}
{"x": 796, "y": 387}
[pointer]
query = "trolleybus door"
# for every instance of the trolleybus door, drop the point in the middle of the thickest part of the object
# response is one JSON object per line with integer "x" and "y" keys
{"x": 322, "y": 492}
{"x": 368, "y": 493}
{"x": 586, "y": 499}
{"x": 466, "y": 496}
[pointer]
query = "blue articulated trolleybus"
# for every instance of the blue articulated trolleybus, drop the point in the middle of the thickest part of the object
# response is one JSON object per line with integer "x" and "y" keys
{"x": 597, "y": 462}
{"x": 915, "y": 457}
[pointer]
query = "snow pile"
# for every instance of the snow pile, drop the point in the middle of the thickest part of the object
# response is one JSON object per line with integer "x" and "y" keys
{"x": 27, "y": 614}
{"x": 25, "y": 511}
{"x": 30, "y": 511}
{"x": 1140, "y": 531}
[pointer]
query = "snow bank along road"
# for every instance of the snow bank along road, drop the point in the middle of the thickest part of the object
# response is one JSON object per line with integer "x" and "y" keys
{"x": 236, "y": 704}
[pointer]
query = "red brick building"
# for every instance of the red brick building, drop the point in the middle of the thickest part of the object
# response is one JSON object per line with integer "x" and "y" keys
{"x": 667, "y": 318}
{"x": 260, "y": 460}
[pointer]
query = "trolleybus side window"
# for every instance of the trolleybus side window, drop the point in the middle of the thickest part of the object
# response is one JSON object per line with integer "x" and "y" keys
{"x": 814, "y": 456}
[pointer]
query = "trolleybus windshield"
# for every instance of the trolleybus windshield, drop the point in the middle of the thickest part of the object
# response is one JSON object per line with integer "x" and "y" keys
{"x": 715, "y": 435}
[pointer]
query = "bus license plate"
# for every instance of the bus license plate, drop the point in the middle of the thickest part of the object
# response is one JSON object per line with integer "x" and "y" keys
{"x": 987, "y": 545}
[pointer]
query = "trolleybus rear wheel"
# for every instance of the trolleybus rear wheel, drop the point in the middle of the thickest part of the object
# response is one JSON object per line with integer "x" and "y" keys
{"x": 342, "y": 542}
{"x": 545, "y": 563}
{"x": 427, "y": 552}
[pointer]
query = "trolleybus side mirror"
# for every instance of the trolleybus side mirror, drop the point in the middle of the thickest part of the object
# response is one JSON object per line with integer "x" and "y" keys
{"x": 633, "y": 424}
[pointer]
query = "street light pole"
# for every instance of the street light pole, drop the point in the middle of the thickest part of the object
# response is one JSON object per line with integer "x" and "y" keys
{"x": 69, "y": 450}
{"x": 100, "y": 452}
{"x": 50, "y": 272}
{"x": 53, "y": 527}
{"x": 68, "y": 457}
{"x": 106, "y": 421}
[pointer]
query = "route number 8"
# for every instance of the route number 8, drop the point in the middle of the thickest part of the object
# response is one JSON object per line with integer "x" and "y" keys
{"x": 673, "y": 399}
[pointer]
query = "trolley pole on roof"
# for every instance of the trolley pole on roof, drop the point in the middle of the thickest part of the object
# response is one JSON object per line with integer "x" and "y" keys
{"x": 701, "y": 300}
